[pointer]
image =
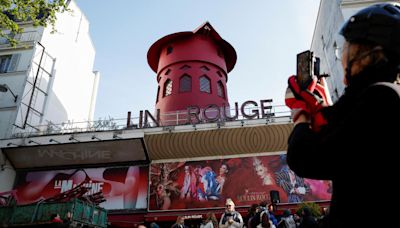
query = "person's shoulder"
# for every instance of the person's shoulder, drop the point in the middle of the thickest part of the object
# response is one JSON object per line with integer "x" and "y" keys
{"x": 383, "y": 90}
{"x": 237, "y": 213}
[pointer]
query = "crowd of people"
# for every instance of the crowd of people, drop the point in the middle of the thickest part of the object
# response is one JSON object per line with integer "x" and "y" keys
{"x": 260, "y": 215}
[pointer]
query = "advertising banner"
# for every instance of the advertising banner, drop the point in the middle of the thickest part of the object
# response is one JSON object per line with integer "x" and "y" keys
{"x": 86, "y": 153}
{"x": 122, "y": 187}
{"x": 206, "y": 184}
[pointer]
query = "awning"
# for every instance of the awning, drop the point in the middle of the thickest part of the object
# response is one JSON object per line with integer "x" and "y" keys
{"x": 126, "y": 220}
{"x": 218, "y": 142}
{"x": 167, "y": 216}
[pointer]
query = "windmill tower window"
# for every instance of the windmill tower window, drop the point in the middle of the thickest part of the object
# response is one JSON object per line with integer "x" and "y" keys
{"x": 168, "y": 88}
{"x": 205, "y": 85}
{"x": 221, "y": 90}
{"x": 185, "y": 83}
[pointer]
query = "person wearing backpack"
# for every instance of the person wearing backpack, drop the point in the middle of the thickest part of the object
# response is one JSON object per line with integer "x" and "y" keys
{"x": 287, "y": 220}
{"x": 231, "y": 218}
{"x": 357, "y": 137}
{"x": 262, "y": 217}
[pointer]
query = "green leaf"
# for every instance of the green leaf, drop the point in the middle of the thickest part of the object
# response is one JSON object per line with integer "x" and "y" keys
{"x": 37, "y": 12}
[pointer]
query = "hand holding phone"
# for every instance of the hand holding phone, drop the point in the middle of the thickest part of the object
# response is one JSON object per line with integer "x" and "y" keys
{"x": 307, "y": 67}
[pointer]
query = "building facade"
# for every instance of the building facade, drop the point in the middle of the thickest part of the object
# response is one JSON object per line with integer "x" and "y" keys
{"x": 327, "y": 41}
{"x": 47, "y": 78}
{"x": 51, "y": 75}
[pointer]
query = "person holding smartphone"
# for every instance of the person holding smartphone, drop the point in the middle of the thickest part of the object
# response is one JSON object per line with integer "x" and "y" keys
{"x": 357, "y": 137}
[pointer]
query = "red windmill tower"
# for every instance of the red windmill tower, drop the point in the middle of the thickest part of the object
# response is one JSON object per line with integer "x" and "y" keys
{"x": 192, "y": 71}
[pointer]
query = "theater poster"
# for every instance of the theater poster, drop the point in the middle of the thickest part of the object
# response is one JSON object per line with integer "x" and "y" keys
{"x": 122, "y": 187}
{"x": 205, "y": 184}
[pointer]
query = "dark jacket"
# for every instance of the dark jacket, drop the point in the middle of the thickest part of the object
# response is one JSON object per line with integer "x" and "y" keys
{"x": 307, "y": 220}
{"x": 357, "y": 150}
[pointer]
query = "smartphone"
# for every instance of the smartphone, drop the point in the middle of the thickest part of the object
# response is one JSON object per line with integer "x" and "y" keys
{"x": 304, "y": 68}
{"x": 307, "y": 66}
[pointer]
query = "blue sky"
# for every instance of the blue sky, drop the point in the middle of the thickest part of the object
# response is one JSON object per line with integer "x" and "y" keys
{"x": 266, "y": 34}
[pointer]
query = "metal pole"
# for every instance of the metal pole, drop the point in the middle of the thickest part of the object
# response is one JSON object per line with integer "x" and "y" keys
{"x": 33, "y": 87}
{"x": 128, "y": 121}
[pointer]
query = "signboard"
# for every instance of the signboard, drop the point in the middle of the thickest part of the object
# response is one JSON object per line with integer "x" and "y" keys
{"x": 122, "y": 187}
{"x": 77, "y": 153}
{"x": 206, "y": 184}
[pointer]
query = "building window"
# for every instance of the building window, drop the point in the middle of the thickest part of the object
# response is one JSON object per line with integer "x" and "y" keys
{"x": 185, "y": 67}
{"x": 185, "y": 83}
{"x": 221, "y": 89}
{"x": 4, "y": 40}
{"x": 219, "y": 74}
{"x": 158, "y": 93}
{"x": 8, "y": 63}
{"x": 167, "y": 72}
{"x": 169, "y": 50}
{"x": 167, "y": 88}
{"x": 204, "y": 68}
{"x": 205, "y": 85}
{"x": 5, "y": 61}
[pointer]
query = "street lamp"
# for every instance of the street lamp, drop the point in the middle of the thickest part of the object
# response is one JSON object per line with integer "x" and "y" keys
{"x": 4, "y": 88}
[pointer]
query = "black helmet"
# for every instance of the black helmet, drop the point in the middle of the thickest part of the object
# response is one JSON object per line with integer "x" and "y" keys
{"x": 378, "y": 24}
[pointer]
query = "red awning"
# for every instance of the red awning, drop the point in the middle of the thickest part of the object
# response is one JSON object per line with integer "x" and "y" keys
{"x": 280, "y": 207}
{"x": 132, "y": 219}
{"x": 126, "y": 220}
{"x": 188, "y": 214}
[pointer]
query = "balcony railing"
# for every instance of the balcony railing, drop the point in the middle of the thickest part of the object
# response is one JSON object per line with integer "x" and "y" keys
{"x": 174, "y": 119}
{"x": 21, "y": 38}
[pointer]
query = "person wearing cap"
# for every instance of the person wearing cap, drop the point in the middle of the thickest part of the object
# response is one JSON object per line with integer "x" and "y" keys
{"x": 231, "y": 218}
{"x": 357, "y": 137}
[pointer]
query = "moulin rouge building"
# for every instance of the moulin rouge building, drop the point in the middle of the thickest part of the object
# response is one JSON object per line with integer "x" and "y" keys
{"x": 186, "y": 158}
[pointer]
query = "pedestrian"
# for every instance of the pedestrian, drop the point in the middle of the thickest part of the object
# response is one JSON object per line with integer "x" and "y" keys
{"x": 287, "y": 220}
{"x": 272, "y": 218}
{"x": 55, "y": 218}
{"x": 307, "y": 219}
{"x": 250, "y": 214}
{"x": 357, "y": 137}
{"x": 231, "y": 218}
{"x": 210, "y": 221}
{"x": 262, "y": 218}
{"x": 180, "y": 222}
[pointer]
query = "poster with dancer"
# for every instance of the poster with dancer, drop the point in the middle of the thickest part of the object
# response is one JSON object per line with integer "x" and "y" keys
{"x": 205, "y": 184}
